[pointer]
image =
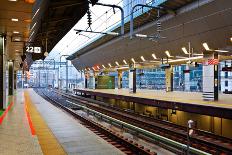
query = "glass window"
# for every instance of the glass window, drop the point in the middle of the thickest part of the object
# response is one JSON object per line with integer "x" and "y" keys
{"x": 226, "y": 83}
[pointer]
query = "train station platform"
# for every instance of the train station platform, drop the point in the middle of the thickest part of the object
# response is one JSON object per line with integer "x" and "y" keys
{"x": 31, "y": 125}
{"x": 184, "y": 101}
{"x": 16, "y": 137}
{"x": 71, "y": 135}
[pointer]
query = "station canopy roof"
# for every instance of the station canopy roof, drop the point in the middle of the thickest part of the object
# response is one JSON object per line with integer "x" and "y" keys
{"x": 195, "y": 22}
{"x": 51, "y": 20}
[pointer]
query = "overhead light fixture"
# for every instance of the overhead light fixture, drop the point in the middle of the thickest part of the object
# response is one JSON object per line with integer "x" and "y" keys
{"x": 35, "y": 13}
{"x": 17, "y": 39}
{"x": 33, "y": 25}
{"x": 181, "y": 57}
{"x": 205, "y": 45}
{"x": 154, "y": 56}
{"x": 12, "y": 0}
{"x": 142, "y": 58}
{"x": 109, "y": 64}
{"x": 223, "y": 51}
{"x": 125, "y": 62}
{"x": 231, "y": 39}
{"x": 133, "y": 60}
{"x": 167, "y": 53}
{"x": 184, "y": 50}
{"x": 16, "y": 32}
{"x": 200, "y": 54}
{"x": 187, "y": 59}
{"x": 14, "y": 19}
{"x": 116, "y": 63}
{"x": 103, "y": 66}
{"x": 46, "y": 54}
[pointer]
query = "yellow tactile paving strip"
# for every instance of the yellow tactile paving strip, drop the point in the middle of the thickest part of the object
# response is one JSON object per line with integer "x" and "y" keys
{"x": 48, "y": 142}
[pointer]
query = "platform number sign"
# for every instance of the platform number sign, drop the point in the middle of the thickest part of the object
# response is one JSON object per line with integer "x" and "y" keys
{"x": 31, "y": 49}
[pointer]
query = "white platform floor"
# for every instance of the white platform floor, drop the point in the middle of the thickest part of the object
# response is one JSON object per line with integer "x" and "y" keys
{"x": 225, "y": 100}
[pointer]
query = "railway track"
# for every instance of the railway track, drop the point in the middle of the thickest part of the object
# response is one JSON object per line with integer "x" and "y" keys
{"x": 202, "y": 140}
{"x": 124, "y": 144}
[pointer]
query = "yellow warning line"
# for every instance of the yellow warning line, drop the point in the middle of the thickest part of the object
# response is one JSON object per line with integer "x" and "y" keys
{"x": 48, "y": 142}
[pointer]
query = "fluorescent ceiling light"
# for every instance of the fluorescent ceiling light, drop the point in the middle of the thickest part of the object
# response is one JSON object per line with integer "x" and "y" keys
{"x": 125, "y": 62}
{"x": 17, "y": 39}
{"x": 205, "y": 45}
{"x": 223, "y": 51}
{"x": 33, "y": 26}
{"x": 133, "y": 60}
{"x": 141, "y": 35}
{"x": 16, "y": 32}
{"x": 14, "y": 19}
{"x": 154, "y": 56}
{"x": 187, "y": 59}
{"x": 167, "y": 53}
{"x": 184, "y": 50}
{"x": 12, "y": 0}
{"x": 123, "y": 67}
{"x": 35, "y": 13}
{"x": 142, "y": 58}
{"x": 181, "y": 57}
{"x": 103, "y": 66}
{"x": 198, "y": 54}
{"x": 109, "y": 64}
{"x": 116, "y": 63}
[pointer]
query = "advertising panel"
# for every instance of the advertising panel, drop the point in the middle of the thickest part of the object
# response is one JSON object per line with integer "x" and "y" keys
{"x": 106, "y": 82}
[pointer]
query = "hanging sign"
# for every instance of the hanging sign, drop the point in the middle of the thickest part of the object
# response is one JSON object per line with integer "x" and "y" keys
{"x": 31, "y": 49}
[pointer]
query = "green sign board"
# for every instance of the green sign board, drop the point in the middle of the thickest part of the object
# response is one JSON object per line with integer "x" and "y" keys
{"x": 105, "y": 82}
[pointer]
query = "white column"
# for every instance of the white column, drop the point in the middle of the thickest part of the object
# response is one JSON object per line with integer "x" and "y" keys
{"x": 210, "y": 76}
{"x": 132, "y": 79}
{"x": 119, "y": 79}
{"x": 187, "y": 79}
{"x": 169, "y": 79}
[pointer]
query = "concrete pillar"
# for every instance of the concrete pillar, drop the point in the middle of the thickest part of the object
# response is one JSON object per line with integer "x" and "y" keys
{"x": 187, "y": 79}
{"x": 119, "y": 79}
{"x": 210, "y": 76}
{"x": 169, "y": 79}
{"x": 2, "y": 73}
{"x": 132, "y": 79}
{"x": 11, "y": 77}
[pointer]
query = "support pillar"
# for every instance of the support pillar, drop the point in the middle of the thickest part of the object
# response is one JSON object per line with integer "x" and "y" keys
{"x": 132, "y": 79}
{"x": 11, "y": 77}
{"x": 86, "y": 80}
{"x": 15, "y": 79}
{"x": 2, "y": 73}
{"x": 66, "y": 76}
{"x": 210, "y": 76}
{"x": 169, "y": 79}
{"x": 119, "y": 79}
{"x": 187, "y": 79}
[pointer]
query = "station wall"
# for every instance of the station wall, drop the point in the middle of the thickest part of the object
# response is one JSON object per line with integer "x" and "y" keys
{"x": 219, "y": 126}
